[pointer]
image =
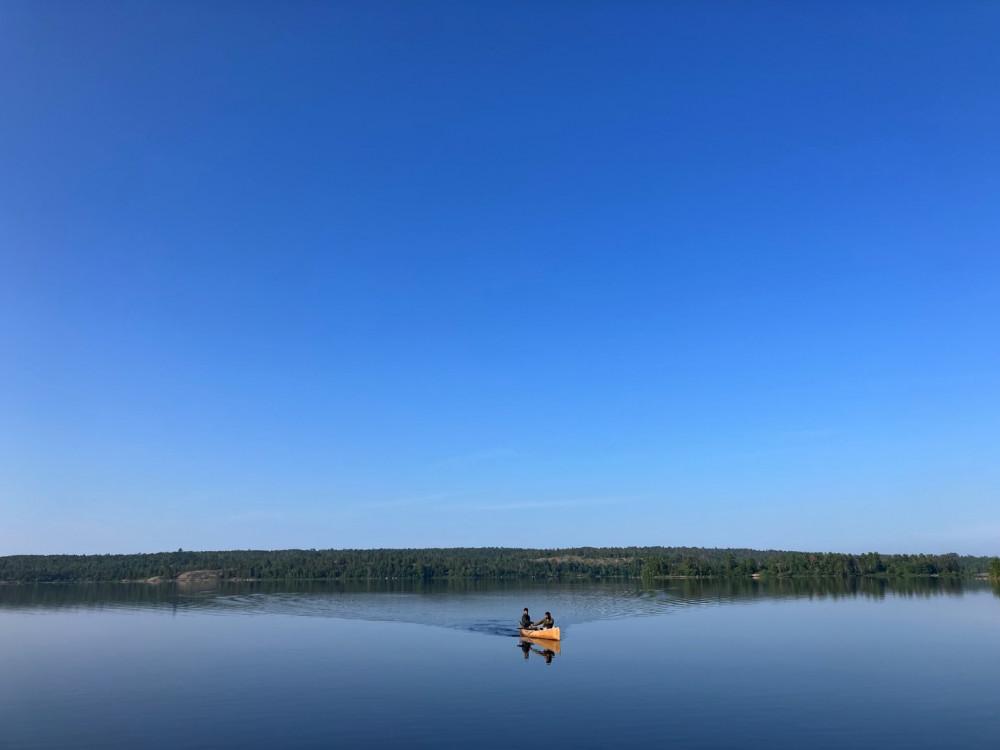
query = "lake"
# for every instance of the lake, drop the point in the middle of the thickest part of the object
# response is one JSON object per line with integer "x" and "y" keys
{"x": 685, "y": 664}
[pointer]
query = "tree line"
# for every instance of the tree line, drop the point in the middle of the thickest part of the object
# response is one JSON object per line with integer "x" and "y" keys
{"x": 496, "y": 563}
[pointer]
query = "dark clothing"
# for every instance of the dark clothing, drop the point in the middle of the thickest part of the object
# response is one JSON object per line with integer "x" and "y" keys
{"x": 545, "y": 623}
{"x": 525, "y": 620}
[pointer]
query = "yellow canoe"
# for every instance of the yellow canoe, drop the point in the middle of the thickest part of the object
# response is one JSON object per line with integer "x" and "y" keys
{"x": 549, "y": 634}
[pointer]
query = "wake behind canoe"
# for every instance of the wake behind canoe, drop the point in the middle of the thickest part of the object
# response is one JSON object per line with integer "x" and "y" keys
{"x": 549, "y": 634}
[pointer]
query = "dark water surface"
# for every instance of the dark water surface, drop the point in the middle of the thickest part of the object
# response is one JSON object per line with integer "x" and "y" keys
{"x": 690, "y": 664}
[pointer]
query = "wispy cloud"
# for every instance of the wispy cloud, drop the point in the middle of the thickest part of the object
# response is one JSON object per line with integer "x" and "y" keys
{"x": 472, "y": 457}
{"x": 399, "y": 502}
{"x": 808, "y": 433}
{"x": 256, "y": 516}
{"x": 577, "y": 502}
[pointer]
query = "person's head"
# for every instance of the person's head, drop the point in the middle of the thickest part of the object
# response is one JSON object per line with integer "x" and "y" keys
{"x": 548, "y": 614}
{"x": 525, "y": 610}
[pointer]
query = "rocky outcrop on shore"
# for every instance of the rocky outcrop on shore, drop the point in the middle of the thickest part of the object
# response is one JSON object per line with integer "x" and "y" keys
{"x": 197, "y": 576}
{"x": 190, "y": 576}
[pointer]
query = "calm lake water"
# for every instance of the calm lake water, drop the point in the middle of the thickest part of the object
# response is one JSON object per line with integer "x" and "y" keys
{"x": 687, "y": 665}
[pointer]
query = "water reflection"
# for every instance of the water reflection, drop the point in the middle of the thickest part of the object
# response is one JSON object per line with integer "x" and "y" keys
{"x": 485, "y": 607}
{"x": 257, "y": 665}
{"x": 546, "y": 650}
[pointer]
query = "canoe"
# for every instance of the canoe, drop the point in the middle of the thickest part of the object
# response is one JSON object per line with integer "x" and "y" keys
{"x": 549, "y": 634}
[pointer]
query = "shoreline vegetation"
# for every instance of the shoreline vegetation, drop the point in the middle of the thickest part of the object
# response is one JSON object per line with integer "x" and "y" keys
{"x": 484, "y": 563}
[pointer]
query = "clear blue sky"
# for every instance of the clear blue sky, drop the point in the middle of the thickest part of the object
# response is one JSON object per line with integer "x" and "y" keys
{"x": 408, "y": 274}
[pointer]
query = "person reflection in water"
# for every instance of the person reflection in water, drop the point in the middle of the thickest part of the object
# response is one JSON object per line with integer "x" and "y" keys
{"x": 528, "y": 647}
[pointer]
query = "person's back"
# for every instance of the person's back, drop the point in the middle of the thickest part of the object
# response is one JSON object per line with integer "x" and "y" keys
{"x": 525, "y": 619}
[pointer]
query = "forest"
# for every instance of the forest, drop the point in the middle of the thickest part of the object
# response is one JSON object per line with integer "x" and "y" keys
{"x": 494, "y": 563}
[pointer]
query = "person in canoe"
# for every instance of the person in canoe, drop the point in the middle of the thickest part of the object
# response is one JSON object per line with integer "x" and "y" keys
{"x": 545, "y": 623}
{"x": 525, "y": 619}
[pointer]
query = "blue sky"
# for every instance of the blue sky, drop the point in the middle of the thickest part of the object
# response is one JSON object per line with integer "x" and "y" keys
{"x": 527, "y": 274}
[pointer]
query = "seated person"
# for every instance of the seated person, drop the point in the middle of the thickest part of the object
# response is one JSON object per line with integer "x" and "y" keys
{"x": 525, "y": 619}
{"x": 545, "y": 623}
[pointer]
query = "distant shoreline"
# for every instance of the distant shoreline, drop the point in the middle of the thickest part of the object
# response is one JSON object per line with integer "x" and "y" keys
{"x": 979, "y": 577}
{"x": 483, "y": 563}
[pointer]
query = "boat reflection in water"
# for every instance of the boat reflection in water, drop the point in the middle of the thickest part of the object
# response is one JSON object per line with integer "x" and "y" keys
{"x": 544, "y": 648}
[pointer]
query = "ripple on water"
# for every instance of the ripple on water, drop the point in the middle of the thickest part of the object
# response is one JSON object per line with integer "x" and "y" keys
{"x": 487, "y": 608}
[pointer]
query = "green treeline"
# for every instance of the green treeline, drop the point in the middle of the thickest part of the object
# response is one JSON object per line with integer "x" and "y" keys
{"x": 496, "y": 563}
